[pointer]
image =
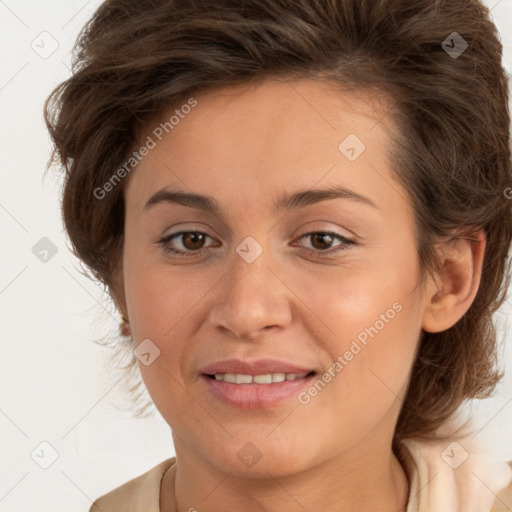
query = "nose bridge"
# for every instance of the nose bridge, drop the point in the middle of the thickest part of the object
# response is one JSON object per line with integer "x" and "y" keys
{"x": 251, "y": 282}
{"x": 250, "y": 265}
{"x": 251, "y": 292}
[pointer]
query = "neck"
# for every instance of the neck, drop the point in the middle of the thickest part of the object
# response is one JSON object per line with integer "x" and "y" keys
{"x": 381, "y": 484}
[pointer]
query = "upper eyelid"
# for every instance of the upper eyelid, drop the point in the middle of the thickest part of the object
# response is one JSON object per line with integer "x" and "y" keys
{"x": 350, "y": 234}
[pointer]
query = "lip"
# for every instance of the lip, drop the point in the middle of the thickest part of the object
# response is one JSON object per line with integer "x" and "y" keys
{"x": 257, "y": 367}
{"x": 255, "y": 396}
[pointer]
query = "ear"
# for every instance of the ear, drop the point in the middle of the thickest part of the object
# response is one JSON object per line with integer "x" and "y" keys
{"x": 450, "y": 294}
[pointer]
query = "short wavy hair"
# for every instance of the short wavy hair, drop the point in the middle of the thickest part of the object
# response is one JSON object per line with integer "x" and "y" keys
{"x": 452, "y": 153}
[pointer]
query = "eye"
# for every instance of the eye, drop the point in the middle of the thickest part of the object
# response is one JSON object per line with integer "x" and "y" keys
{"x": 193, "y": 241}
{"x": 190, "y": 240}
{"x": 323, "y": 238}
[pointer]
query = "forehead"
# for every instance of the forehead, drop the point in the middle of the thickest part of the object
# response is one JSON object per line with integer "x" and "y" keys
{"x": 252, "y": 138}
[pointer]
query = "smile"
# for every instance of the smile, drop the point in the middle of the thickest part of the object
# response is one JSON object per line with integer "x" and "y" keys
{"x": 256, "y": 391}
{"x": 267, "y": 378}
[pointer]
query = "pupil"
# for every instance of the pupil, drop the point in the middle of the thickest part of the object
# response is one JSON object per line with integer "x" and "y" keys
{"x": 195, "y": 236}
{"x": 321, "y": 236}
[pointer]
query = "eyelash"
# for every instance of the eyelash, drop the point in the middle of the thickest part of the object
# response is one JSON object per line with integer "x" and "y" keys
{"x": 346, "y": 245}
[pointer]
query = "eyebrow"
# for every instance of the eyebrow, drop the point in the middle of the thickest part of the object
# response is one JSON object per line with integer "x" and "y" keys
{"x": 288, "y": 202}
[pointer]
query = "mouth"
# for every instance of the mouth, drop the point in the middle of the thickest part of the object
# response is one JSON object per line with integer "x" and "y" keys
{"x": 258, "y": 391}
{"x": 266, "y": 378}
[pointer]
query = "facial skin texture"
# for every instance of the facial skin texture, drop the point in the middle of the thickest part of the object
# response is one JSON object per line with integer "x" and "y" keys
{"x": 246, "y": 146}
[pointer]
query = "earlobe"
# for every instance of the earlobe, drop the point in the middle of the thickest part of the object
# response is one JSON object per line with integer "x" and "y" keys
{"x": 450, "y": 294}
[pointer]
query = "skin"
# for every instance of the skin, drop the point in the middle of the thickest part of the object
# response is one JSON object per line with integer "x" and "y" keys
{"x": 245, "y": 145}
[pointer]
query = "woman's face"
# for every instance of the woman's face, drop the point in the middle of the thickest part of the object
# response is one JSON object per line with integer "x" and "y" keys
{"x": 262, "y": 280}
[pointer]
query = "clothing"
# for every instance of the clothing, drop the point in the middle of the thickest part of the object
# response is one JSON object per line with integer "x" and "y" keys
{"x": 457, "y": 475}
{"x": 453, "y": 476}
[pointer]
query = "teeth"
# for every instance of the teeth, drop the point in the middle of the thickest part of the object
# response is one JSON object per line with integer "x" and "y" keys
{"x": 262, "y": 379}
{"x": 267, "y": 378}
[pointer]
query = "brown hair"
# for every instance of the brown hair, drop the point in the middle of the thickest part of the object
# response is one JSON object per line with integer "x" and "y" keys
{"x": 136, "y": 59}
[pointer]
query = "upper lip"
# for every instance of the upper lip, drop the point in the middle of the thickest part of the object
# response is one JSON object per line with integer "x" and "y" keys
{"x": 257, "y": 367}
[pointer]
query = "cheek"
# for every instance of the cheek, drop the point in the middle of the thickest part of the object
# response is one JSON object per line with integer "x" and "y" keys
{"x": 355, "y": 300}
{"x": 371, "y": 321}
{"x": 372, "y": 357}
{"x": 160, "y": 312}
{"x": 155, "y": 308}
{"x": 154, "y": 293}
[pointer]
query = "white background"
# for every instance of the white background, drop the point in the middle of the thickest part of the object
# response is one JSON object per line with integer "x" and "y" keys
{"x": 54, "y": 386}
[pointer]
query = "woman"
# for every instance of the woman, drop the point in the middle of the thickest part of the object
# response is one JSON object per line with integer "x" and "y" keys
{"x": 302, "y": 212}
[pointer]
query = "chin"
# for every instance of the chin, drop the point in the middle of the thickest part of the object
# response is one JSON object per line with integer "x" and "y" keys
{"x": 259, "y": 457}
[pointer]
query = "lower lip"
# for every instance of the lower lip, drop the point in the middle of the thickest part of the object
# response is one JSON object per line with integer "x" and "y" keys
{"x": 255, "y": 396}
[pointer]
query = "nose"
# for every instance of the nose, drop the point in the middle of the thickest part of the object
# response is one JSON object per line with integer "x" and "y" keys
{"x": 252, "y": 300}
